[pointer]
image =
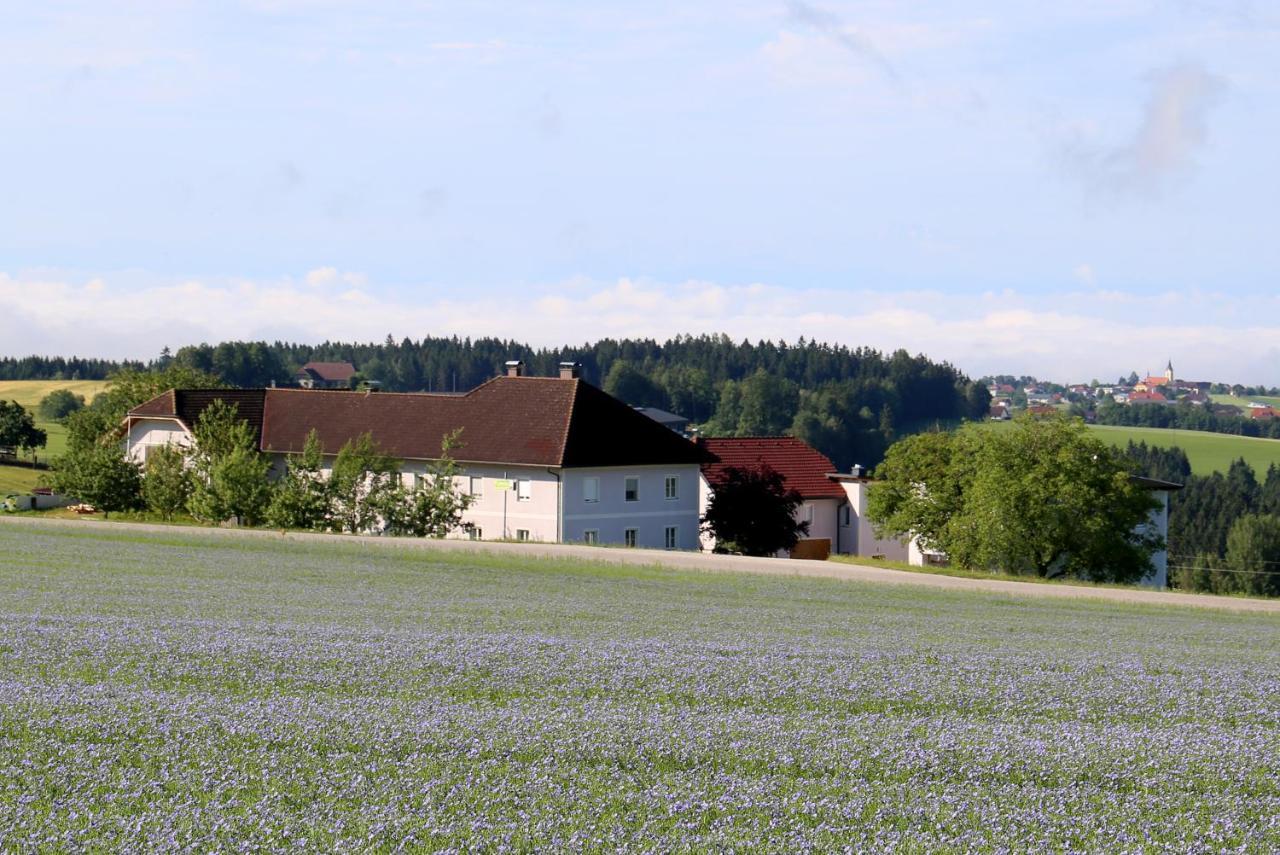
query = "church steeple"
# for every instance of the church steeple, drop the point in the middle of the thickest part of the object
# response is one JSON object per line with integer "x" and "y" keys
{"x": 1168, "y": 371}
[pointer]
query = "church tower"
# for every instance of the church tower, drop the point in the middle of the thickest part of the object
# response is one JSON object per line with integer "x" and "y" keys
{"x": 1168, "y": 371}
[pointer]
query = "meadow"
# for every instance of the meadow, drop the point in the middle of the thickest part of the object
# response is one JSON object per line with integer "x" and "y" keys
{"x": 181, "y": 690}
{"x": 29, "y": 393}
{"x": 1207, "y": 452}
{"x": 1233, "y": 401}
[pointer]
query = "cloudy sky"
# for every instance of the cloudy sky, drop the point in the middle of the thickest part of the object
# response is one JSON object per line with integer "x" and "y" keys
{"x": 1073, "y": 190}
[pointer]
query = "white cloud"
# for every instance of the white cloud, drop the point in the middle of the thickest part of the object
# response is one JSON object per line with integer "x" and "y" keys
{"x": 1069, "y": 336}
{"x": 1172, "y": 130}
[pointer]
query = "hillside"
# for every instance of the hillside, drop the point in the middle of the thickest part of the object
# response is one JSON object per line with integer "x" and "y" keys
{"x": 29, "y": 393}
{"x": 1208, "y": 452}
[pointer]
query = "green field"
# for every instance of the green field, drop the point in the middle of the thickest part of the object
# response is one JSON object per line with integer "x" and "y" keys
{"x": 1244, "y": 402}
{"x": 188, "y": 691}
{"x": 1208, "y": 452}
{"x": 29, "y": 393}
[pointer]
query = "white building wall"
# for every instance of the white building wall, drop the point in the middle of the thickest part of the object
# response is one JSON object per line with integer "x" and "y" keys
{"x": 859, "y": 537}
{"x": 148, "y": 433}
{"x": 1159, "y": 523}
{"x": 650, "y": 515}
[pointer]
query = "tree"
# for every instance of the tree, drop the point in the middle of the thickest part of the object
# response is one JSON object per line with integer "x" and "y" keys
{"x": 229, "y": 475}
{"x": 632, "y": 385}
{"x": 166, "y": 484}
{"x": 101, "y": 477}
{"x": 751, "y": 511}
{"x": 1253, "y": 555}
{"x": 435, "y": 504}
{"x": 18, "y": 429}
{"x": 59, "y": 404}
{"x": 1042, "y": 498}
{"x": 769, "y": 405}
{"x": 363, "y": 485}
{"x": 301, "y": 499}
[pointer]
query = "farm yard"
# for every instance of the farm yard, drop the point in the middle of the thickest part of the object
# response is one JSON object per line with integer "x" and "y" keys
{"x": 180, "y": 690}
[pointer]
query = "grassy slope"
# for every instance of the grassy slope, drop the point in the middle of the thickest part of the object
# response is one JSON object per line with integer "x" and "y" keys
{"x": 265, "y": 694}
{"x": 29, "y": 393}
{"x": 1244, "y": 402}
{"x": 1208, "y": 452}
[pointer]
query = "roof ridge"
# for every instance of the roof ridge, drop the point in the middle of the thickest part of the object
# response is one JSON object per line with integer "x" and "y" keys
{"x": 568, "y": 422}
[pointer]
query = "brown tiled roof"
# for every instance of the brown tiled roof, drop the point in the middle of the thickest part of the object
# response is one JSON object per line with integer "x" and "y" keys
{"x": 186, "y": 405}
{"x": 333, "y": 372}
{"x": 803, "y": 468}
{"x": 540, "y": 421}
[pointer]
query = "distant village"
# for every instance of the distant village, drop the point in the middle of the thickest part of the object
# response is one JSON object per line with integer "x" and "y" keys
{"x": 1010, "y": 395}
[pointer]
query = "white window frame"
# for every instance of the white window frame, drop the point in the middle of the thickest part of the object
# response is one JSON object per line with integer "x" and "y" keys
{"x": 808, "y": 512}
{"x": 630, "y": 537}
{"x": 524, "y": 489}
{"x": 671, "y": 487}
{"x": 591, "y": 490}
{"x": 476, "y": 533}
{"x": 671, "y": 537}
{"x": 625, "y": 482}
{"x": 591, "y": 536}
{"x": 522, "y": 534}
{"x": 476, "y": 486}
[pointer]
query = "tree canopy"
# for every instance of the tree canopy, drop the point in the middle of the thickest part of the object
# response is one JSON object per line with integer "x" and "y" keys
{"x": 751, "y": 511}
{"x": 18, "y": 429}
{"x": 1040, "y": 497}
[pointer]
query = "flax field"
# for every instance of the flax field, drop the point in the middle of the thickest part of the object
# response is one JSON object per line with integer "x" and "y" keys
{"x": 195, "y": 691}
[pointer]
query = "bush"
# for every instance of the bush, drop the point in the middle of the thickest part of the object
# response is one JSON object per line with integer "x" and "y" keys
{"x": 59, "y": 404}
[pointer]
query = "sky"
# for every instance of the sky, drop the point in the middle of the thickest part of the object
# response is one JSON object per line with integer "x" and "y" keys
{"x": 1072, "y": 190}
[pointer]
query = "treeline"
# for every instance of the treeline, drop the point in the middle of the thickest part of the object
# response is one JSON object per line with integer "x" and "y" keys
{"x": 850, "y": 403}
{"x": 1185, "y": 417}
{"x": 1219, "y": 523}
{"x": 60, "y": 368}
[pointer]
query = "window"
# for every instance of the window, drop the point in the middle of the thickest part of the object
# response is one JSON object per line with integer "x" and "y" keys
{"x": 477, "y": 485}
{"x": 522, "y": 534}
{"x": 671, "y": 487}
{"x": 524, "y": 490}
{"x": 631, "y": 489}
{"x": 590, "y": 489}
{"x": 671, "y": 537}
{"x": 808, "y": 513}
{"x": 410, "y": 479}
{"x": 591, "y": 537}
{"x": 629, "y": 536}
{"x": 844, "y": 514}
{"x": 476, "y": 533}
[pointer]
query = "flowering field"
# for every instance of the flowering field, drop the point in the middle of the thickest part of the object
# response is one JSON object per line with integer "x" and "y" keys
{"x": 188, "y": 691}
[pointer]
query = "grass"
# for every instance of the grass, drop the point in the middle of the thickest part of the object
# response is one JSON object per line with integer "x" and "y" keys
{"x": 1245, "y": 401}
{"x": 176, "y": 690}
{"x": 1208, "y": 452}
{"x": 29, "y": 393}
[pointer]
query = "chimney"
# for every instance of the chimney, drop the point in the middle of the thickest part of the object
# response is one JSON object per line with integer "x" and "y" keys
{"x": 570, "y": 370}
{"x": 515, "y": 368}
{"x": 858, "y": 471}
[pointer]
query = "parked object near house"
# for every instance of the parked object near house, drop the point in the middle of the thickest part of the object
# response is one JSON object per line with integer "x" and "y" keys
{"x": 325, "y": 375}
{"x": 674, "y": 422}
{"x": 550, "y": 458}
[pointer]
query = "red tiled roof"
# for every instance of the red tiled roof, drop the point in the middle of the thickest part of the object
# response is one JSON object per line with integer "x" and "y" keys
{"x": 333, "y": 372}
{"x": 539, "y": 421}
{"x": 803, "y": 468}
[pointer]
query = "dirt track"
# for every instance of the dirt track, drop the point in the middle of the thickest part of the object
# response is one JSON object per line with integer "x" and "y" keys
{"x": 713, "y": 564}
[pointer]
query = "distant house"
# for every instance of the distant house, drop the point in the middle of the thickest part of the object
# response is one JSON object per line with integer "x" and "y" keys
{"x": 999, "y": 412}
{"x": 679, "y": 424}
{"x": 1147, "y": 398}
{"x": 1262, "y": 412}
{"x": 544, "y": 458}
{"x": 1042, "y": 410}
{"x": 325, "y": 375}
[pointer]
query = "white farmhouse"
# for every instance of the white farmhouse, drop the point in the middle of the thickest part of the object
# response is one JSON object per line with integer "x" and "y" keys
{"x": 545, "y": 458}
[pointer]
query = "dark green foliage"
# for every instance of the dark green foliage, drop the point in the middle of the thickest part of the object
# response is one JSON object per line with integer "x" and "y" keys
{"x": 59, "y": 404}
{"x": 752, "y": 512}
{"x": 18, "y": 429}
{"x": 364, "y": 486}
{"x": 632, "y": 385}
{"x": 229, "y": 475}
{"x": 166, "y": 483}
{"x": 102, "y": 477}
{"x": 1042, "y": 498}
{"x": 1253, "y": 555}
{"x": 301, "y": 498}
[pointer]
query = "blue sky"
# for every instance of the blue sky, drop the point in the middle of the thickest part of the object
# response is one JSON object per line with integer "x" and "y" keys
{"x": 1073, "y": 192}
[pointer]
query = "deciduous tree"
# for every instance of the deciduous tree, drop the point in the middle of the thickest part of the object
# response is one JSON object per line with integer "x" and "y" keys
{"x": 166, "y": 483}
{"x": 751, "y": 511}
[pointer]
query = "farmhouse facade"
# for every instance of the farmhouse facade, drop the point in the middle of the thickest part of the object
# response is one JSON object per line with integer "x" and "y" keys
{"x": 545, "y": 458}
{"x": 325, "y": 375}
